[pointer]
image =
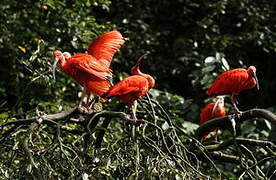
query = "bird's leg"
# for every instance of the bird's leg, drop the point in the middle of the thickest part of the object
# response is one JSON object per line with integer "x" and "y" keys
{"x": 234, "y": 101}
{"x": 133, "y": 109}
{"x": 88, "y": 98}
{"x": 96, "y": 104}
{"x": 83, "y": 94}
{"x": 216, "y": 135}
{"x": 92, "y": 101}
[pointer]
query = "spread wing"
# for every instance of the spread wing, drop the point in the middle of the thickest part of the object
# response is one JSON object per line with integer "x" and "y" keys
{"x": 105, "y": 46}
{"x": 90, "y": 65}
{"x": 228, "y": 82}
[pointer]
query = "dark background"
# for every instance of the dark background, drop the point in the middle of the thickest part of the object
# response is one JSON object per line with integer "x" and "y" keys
{"x": 179, "y": 35}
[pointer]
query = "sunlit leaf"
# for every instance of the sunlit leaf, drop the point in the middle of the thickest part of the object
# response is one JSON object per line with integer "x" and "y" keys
{"x": 22, "y": 49}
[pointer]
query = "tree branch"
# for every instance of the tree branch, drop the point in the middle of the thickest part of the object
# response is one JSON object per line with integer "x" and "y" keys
{"x": 57, "y": 116}
{"x": 250, "y": 142}
{"x": 225, "y": 157}
{"x": 224, "y": 122}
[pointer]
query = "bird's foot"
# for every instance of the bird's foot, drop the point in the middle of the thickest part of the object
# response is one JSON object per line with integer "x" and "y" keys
{"x": 81, "y": 109}
{"x": 97, "y": 107}
{"x": 85, "y": 110}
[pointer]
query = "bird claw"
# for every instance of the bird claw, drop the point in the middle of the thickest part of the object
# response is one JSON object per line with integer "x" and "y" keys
{"x": 96, "y": 107}
{"x": 85, "y": 110}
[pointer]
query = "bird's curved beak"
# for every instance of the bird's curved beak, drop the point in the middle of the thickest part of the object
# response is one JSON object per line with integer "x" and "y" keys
{"x": 255, "y": 77}
{"x": 216, "y": 105}
{"x": 54, "y": 67}
{"x": 141, "y": 58}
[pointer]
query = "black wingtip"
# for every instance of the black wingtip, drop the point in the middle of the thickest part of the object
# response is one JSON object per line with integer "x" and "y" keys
{"x": 110, "y": 79}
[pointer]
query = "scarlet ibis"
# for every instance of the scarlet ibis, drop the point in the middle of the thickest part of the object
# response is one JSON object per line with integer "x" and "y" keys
{"x": 234, "y": 81}
{"x": 132, "y": 88}
{"x": 211, "y": 111}
{"x": 91, "y": 70}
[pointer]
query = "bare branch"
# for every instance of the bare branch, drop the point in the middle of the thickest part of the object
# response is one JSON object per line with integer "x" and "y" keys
{"x": 225, "y": 157}
{"x": 57, "y": 116}
{"x": 224, "y": 122}
{"x": 61, "y": 115}
{"x": 250, "y": 142}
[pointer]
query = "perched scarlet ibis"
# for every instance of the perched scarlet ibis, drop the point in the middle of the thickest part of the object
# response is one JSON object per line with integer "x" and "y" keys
{"x": 132, "y": 88}
{"x": 211, "y": 111}
{"x": 92, "y": 70}
{"x": 87, "y": 71}
{"x": 234, "y": 81}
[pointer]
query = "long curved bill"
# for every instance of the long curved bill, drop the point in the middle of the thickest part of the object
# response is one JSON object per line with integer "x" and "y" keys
{"x": 220, "y": 99}
{"x": 54, "y": 68}
{"x": 257, "y": 82}
{"x": 141, "y": 58}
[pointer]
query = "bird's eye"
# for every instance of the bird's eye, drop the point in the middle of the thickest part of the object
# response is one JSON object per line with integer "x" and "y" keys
{"x": 252, "y": 73}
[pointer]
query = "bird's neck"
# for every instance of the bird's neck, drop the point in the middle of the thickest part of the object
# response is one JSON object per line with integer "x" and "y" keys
{"x": 151, "y": 81}
{"x": 62, "y": 63}
{"x": 136, "y": 71}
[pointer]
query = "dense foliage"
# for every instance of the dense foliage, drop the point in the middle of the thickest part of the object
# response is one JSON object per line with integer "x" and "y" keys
{"x": 190, "y": 43}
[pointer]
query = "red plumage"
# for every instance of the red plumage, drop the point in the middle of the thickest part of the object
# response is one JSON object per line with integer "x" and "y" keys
{"x": 133, "y": 87}
{"x": 105, "y": 46}
{"x": 81, "y": 66}
{"x": 129, "y": 89}
{"x": 234, "y": 81}
{"x": 211, "y": 111}
{"x": 88, "y": 72}
{"x": 92, "y": 70}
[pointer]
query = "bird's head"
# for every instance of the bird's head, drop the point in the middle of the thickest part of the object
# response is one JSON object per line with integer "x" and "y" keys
{"x": 219, "y": 104}
{"x": 59, "y": 58}
{"x": 252, "y": 72}
{"x": 67, "y": 55}
{"x": 151, "y": 81}
{"x": 58, "y": 55}
{"x": 135, "y": 70}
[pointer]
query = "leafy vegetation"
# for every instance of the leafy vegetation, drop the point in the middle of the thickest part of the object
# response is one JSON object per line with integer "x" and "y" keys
{"x": 190, "y": 43}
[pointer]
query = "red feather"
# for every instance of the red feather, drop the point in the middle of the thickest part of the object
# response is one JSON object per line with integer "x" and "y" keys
{"x": 133, "y": 87}
{"x": 129, "y": 89}
{"x": 105, "y": 46}
{"x": 92, "y": 70}
{"x": 209, "y": 113}
{"x": 86, "y": 64}
{"x": 97, "y": 86}
{"x": 232, "y": 82}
